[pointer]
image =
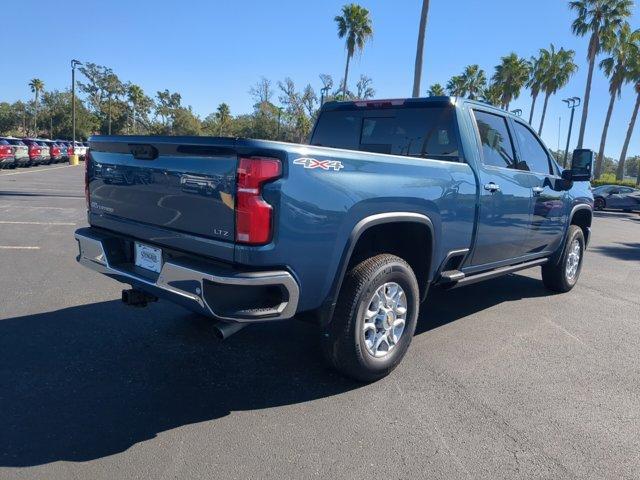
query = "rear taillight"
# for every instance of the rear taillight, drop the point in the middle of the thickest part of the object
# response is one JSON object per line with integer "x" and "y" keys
{"x": 254, "y": 216}
{"x": 6, "y": 151}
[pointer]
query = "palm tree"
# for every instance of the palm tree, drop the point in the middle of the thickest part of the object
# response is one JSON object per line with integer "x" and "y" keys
{"x": 436, "y": 90}
{"x": 511, "y": 74}
{"x": 223, "y": 115}
{"x": 37, "y": 86}
{"x": 634, "y": 75}
{"x": 474, "y": 80}
{"x": 417, "y": 73}
{"x": 136, "y": 96}
{"x": 599, "y": 18}
{"x": 113, "y": 87}
{"x": 536, "y": 77}
{"x": 355, "y": 25}
{"x": 493, "y": 94}
{"x": 558, "y": 68}
{"x": 623, "y": 50}
{"x": 456, "y": 86}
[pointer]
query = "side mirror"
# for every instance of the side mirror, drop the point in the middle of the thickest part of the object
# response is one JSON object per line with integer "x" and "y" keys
{"x": 581, "y": 165}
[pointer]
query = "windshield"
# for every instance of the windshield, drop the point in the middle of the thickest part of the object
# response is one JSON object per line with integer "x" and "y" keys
{"x": 426, "y": 131}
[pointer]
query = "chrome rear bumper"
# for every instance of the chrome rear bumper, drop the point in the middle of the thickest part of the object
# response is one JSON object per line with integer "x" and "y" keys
{"x": 189, "y": 284}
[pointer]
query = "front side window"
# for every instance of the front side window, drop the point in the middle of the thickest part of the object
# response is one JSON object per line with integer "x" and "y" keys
{"x": 497, "y": 149}
{"x": 534, "y": 155}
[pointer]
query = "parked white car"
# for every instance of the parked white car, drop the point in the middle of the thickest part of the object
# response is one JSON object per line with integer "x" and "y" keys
{"x": 80, "y": 149}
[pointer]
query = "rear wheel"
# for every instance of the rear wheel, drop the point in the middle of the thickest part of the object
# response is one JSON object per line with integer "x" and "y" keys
{"x": 562, "y": 276}
{"x": 374, "y": 320}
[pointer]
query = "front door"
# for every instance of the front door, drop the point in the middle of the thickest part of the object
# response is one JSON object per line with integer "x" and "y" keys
{"x": 619, "y": 197}
{"x": 548, "y": 212}
{"x": 505, "y": 194}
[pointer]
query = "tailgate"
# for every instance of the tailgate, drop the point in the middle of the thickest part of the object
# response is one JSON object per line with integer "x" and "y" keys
{"x": 183, "y": 184}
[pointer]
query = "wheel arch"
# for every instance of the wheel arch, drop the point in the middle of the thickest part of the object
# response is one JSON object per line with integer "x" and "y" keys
{"x": 582, "y": 216}
{"x": 377, "y": 223}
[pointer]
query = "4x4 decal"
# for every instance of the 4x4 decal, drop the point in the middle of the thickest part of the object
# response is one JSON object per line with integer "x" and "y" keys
{"x": 312, "y": 163}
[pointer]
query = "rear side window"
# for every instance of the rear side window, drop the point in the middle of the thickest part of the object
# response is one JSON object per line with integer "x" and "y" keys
{"x": 4, "y": 142}
{"x": 410, "y": 131}
{"x": 497, "y": 149}
{"x": 534, "y": 157}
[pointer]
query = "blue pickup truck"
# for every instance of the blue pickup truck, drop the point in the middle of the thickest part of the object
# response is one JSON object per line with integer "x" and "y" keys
{"x": 389, "y": 199}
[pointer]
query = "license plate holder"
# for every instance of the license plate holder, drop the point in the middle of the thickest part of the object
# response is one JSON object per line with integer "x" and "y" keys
{"x": 147, "y": 257}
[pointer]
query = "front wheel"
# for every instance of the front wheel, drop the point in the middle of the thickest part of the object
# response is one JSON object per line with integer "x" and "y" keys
{"x": 563, "y": 275}
{"x": 599, "y": 203}
{"x": 374, "y": 320}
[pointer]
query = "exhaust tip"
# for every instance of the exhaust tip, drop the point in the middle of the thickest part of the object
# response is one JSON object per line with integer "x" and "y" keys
{"x": 224, "y": 330}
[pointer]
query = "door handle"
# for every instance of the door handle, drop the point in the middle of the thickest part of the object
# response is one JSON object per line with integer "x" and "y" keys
{"x": 537, "y": 190}
{"x": 491, "y": 187}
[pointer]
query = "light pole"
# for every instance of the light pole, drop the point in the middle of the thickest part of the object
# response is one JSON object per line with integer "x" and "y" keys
{"x": 74, "y": 64}
{"x": 323, "y": 92}
{"x": 279, "y": 116}
{"x": 572, "y": 103}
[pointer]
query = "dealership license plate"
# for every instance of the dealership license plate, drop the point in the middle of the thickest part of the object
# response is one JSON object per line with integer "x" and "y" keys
{"x": 149, "y": 258}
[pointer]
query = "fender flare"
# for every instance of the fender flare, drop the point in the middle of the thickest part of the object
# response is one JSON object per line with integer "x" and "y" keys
{"x": 573, "y": 212}
{"x": 556, "y": 256}
{"x": 357, "y": 231}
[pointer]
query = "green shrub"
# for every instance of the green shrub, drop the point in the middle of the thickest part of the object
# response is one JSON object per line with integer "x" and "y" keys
{"x": 610, "y": 179}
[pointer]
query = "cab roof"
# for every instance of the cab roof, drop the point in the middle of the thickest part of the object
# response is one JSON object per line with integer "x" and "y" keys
{"x": 407, "y": 102}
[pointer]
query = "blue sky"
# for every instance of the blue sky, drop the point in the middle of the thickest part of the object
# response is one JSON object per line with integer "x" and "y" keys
{"x": 213, "y": 51}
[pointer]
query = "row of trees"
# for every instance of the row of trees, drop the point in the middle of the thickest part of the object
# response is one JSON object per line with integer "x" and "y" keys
{"x": 109, "y": 105}
{"x": 610, "y": 35}
{"x": 282, "y": 111}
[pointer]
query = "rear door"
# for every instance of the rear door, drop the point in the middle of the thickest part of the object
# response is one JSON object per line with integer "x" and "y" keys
{"x": 505, "y": 193}
{"x": 548, "y": 212}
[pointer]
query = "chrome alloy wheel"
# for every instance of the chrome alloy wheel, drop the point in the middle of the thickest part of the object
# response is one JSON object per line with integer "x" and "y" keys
{"x": 573, "y": 260}
{"x": 385, "y": 319}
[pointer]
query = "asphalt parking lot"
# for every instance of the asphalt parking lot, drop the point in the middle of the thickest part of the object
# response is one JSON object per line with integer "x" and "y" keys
{"x": 503, "y": 379}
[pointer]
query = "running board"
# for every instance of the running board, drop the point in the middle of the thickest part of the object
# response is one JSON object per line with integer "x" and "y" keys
{"x": 451, "y": 276}
{"x": 498, "y": 272}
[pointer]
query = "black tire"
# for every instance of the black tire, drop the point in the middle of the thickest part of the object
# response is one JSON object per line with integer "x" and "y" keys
{"x": 343, "y": 341}
{"x": 554, "y": 275}
{"x": 599, "y": 203}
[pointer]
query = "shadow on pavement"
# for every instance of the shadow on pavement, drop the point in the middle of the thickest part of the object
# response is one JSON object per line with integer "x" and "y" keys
{"x": 445, "y": 306}
{"x": 621, "y": 251}
{"x": 90, "y": 381}
{"x": 616, "y": 214}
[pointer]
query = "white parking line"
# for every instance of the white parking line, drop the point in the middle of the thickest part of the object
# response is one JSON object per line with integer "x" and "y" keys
{"x": 12, "y": 188}
{"x": 33, "y": 171}
{"x": 7, "y": 222}
{"x": 13, "y": 205}
{"x": 15, "y": 247}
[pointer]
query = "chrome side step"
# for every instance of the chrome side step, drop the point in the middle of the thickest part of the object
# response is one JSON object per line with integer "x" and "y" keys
{"x": 498, "y": 272}
{"x": 451, "y": 276}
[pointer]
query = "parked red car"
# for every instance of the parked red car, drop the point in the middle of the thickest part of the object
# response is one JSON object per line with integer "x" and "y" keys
{"x": 7, "y": 155}
{"x": 55, "y": 152}
{"x": 36, "y": 152}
